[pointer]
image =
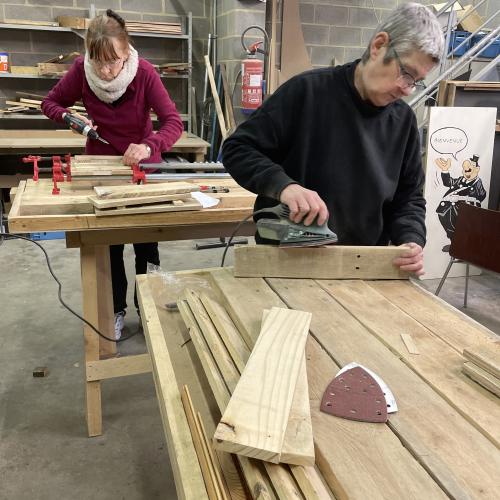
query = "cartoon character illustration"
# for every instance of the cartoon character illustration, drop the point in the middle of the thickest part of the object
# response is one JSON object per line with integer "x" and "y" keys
{"x": 468, "y": 188}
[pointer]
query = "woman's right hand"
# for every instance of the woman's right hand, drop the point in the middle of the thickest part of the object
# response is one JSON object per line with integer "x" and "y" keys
{"x": 83, "y": 118}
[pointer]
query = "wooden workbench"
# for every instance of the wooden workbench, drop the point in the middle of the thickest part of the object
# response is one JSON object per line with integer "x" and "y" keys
{"x": 35, "y": 209}
{"x": 442, "y": 443}
{"x": 64, "y": 141}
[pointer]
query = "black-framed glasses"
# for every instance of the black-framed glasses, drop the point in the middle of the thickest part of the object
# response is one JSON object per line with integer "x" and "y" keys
{"x": 406, "y": 78}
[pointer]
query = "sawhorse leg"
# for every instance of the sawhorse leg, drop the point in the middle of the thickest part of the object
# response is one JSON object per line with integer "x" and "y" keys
{"x": 97, "y": 310}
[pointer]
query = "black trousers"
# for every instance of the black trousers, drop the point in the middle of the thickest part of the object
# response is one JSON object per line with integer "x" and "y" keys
{"x": 144, "y": 253}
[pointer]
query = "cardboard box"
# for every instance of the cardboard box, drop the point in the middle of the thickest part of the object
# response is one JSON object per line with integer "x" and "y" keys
{"x": 472, "y": 22}
{"x": 443, "y": 18}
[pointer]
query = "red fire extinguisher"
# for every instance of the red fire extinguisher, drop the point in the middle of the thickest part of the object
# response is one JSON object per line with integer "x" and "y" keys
{"x": 252, "y": 72}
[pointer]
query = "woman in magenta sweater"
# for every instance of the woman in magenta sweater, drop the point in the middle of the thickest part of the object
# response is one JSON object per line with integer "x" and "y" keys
{"x": 118, "y": 90}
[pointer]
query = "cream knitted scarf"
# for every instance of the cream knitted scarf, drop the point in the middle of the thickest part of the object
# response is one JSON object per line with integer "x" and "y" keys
{"x": 111, "y": 91}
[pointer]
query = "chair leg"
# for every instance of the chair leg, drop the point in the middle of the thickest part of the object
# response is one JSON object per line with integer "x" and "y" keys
{"x": 466, "y": 284}
{"x": 441, "y": 283}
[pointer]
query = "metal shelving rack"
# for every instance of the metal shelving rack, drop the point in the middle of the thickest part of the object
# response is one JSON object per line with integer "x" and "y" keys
{"x": 186, "y": 38}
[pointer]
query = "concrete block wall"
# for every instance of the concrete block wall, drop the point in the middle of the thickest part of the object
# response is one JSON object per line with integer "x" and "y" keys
{"x": 27, "y": 47}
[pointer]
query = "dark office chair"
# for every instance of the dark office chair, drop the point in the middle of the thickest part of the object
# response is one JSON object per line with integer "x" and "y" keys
{"x": 476, "y": 241}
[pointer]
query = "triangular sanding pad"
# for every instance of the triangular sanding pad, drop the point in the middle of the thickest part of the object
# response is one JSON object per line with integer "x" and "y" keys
{"x": 355, "y": 395}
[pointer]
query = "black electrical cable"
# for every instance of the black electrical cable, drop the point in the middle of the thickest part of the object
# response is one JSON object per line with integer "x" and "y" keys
{"x": 233, "y": 234}
{"x": 59, "y": 292}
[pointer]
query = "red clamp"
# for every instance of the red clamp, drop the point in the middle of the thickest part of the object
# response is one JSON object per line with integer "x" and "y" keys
{"x": 57, "y": 173}
{"x": 67, "y": 159}
{"x": 33, "y": 159}
{"x": 138, "y": 175}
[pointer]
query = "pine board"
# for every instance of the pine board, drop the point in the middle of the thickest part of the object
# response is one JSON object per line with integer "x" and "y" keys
{"x": 140, "y": 200}
{"x": 333, "y": 262}
{"x": 254, "y": 422}
{"x": 174, "y": 206}
{"x": 134, "y": 190}
{"x": 482, "y": 377}
{"x": 486, "y": 356}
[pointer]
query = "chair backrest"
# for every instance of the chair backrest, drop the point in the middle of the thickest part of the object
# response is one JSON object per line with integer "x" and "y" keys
{"x": 477, "y": 237}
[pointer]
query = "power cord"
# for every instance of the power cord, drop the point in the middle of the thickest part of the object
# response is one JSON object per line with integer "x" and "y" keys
{"x": 59, "y": 292}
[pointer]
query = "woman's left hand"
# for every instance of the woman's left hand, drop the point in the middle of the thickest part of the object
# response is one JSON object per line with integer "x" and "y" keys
{"x": 135, "y": 153}
{"x": 411, "y": 259}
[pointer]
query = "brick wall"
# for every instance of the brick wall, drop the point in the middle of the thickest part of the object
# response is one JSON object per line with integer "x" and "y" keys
{"x": 27, "y": 47}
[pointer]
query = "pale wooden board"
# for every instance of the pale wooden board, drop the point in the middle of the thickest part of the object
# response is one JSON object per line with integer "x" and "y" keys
{"x": 133, "y": 190}
{"x": 482, "y": 377}
{"x": 117, "y": 367}
{"x": 209, "y": 468}
{"x": 188, "y": 477}
{"x": 460, "y": 458}
{"x": 254, "y": 422}
{"x": 345, "y": 449}
{"x": 298, "y": 443}
{"x": 333, "y": 262}
{"x": 443, "y": 320}
{"x": 438, "y": 364}
{"x": 174, "y": 206}
{"x": 139, "y": 200}
{"x": 486, "y": 356}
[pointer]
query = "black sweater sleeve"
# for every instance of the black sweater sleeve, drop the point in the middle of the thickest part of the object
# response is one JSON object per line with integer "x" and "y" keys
{"x": 253, "y": 154}
{"x": 407, "y": 211}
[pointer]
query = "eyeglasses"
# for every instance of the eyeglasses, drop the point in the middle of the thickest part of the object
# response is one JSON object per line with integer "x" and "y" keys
{"x": 406, "y": 78}
{"x": 109, "y": 64}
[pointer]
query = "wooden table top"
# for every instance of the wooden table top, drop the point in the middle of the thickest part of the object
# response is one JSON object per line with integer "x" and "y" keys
{"x": 443, "y": 442}
{"x": 24, "y": 140}
{"x": 35, "y": 208}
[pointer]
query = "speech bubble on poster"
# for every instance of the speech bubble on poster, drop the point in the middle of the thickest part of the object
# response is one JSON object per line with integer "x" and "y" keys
{"x": 449, "y": 141}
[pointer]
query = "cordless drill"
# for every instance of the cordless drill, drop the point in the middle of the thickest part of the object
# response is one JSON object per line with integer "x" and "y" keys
{"x": 82, "y": 128}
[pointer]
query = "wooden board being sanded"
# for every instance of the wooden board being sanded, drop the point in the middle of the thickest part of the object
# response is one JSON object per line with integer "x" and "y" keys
{"x": 332, "y": 262}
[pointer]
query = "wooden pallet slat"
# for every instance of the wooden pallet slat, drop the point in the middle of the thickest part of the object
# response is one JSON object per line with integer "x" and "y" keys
{"x": 333, "y": 262}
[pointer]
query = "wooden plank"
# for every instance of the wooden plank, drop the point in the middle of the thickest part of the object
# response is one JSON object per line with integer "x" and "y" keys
{"x": 118, "y": 367}
{"x": 172, "y": 206}
{"x": 24, "y": 70}
{"x": 345, "y": 450}
{"x": 187, "y": 473}
{"x": 255, "y": 419}
{"x": 238, "y": 350}
{"x": 30, "y": 22}
{"x": 482, "y": 377}
{"x": 53, "y": 68}
{"x": 213, "y": 482}
{"x": 444, "y": 321}
{"x": 298, "y": 444}
{"x": 486, "y": 356}
{"x": 215, "y": 96}
{"x": 134, "y": 190}
{"x": 457, "y": 456}
{"x": 140, "y": 200}
{"x": 438, "y": 364}
{"x": 333, "y": 262}
{"x": 228, "y": 104}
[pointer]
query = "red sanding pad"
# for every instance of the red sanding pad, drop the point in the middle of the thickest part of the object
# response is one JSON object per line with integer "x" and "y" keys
{"x": 355, "y": 395}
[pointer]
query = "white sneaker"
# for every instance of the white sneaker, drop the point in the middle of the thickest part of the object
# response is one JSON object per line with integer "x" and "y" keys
{"x": 119, "y": 324}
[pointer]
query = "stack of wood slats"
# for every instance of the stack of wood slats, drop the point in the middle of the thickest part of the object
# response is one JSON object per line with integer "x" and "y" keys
{"x": 28, "y": 103}
{"x": 174, "y": 68}
{"x": 483, "y": 365}
{"x": 224, "y": 348}
{"x": 144, "y": 198}
{"x": 154, "y": 27}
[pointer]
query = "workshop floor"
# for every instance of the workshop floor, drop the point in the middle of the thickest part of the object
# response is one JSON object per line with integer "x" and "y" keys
{"x": 44, "y": 451}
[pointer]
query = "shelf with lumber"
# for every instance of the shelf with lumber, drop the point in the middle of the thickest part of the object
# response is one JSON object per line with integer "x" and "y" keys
{"x": 57, "y": 77}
